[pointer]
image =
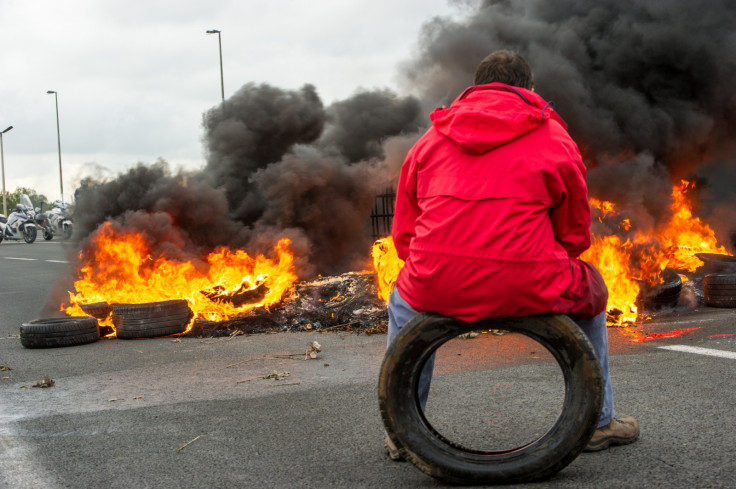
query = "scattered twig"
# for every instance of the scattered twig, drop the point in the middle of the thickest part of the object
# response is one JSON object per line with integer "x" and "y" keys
{"x": 232, "y": 335}
{"x": 188, "y": 443}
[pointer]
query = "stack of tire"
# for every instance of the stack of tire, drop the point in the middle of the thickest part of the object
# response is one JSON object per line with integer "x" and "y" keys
{"x": 151, "y": 319}
{"x": 131, "y": 321}
{"x": 719, "y": 289}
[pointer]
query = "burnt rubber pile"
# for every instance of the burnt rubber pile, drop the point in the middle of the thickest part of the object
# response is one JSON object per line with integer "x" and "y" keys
{"x": 131, "y": 321}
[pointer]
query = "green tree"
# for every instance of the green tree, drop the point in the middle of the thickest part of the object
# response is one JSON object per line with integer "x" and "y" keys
{"x": 13, "y": 198}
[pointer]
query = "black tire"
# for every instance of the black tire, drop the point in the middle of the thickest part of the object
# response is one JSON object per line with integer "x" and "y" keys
{"x": 59, "y": 332}
{"x": 665, "y": 294}
{"x": 29, "y": 234}
{"x": 67, "y": 232}
{"x": 99, "y": 310}
{"x": 453, "y": 463}
{"x": 150, "y": 309}
{"x": 47, "y": 235}
{"x": 719, "y": 289}
{"x": 151, "y": 330}
{"x": 151, "y": 319}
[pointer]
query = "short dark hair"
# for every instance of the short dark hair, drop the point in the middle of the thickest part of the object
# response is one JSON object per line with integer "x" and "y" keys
{"x": 506, "y": 67}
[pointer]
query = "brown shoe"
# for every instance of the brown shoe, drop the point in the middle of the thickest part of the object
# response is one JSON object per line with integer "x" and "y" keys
{"x": 393, "y": 453}
{"x": 620, "y": 431}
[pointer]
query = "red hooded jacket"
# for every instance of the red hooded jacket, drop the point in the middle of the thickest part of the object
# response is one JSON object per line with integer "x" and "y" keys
{"x": 492, "y": 212}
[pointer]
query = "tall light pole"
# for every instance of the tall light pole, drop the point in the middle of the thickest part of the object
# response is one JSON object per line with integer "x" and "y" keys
{"x": 58, "y": 138}
{"x": 2, "y": 160}
{"x": 222, "y": 78}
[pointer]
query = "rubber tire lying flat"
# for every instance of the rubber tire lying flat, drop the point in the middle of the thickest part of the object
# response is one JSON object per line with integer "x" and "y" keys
{"x": 151, "y": 319}
{"x": 452, "y": 463}
{"x": 150, "y": 309}
{"x": 59, "y": 332}
{"x": 719, "y": 289}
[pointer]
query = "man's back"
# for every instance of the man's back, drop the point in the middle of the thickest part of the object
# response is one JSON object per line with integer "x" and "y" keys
{"x": 497, "y": 206}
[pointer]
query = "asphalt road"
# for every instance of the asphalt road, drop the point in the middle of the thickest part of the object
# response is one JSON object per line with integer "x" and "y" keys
{"x": 198, "y": 413}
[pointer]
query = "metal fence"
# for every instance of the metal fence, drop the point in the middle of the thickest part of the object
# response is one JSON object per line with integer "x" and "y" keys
{"x": 383, "y": 213}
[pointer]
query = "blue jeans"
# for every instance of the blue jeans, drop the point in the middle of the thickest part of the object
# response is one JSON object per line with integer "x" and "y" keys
{"x": 400, "y": 312}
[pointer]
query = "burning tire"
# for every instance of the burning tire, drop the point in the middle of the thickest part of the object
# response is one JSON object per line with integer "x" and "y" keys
{"x": 57, "y": 332}
{"x": 449, "y": 461}
{"x": 151, "y": 319}
{"x": 719, "y": 289}
{"x": 99, "y": 310}
{"x": 665, "y": 294}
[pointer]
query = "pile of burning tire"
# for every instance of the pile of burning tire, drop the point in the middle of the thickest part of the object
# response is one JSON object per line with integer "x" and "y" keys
{"x": 131, "y": 321}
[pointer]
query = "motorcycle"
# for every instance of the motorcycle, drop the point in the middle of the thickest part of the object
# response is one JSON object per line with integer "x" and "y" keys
{"x": 56, "y": 221}
{"x": 42, "y": 222}
{"x": 20, "y": 223}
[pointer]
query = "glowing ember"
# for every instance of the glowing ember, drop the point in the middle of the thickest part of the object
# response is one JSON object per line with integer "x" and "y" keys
{"x": 638, "y": 337}
{"x": 118, "y": 267}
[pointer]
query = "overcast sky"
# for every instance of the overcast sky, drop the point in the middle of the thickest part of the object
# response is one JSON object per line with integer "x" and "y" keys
{"x": 134, "y": 77}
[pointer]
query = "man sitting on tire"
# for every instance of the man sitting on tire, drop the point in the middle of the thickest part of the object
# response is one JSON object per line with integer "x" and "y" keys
{"x": 491, "y": 216}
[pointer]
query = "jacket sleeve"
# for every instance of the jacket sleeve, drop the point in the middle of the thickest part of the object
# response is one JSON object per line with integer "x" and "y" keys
{"x": 406, "y": 211}
{"x": 571, "y": 218}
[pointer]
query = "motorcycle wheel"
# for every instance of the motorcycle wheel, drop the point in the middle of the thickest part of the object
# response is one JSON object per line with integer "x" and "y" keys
{"x": 29, "y": 234}
{"x": 67, "y": 232}
{"x": 47, "y": 235}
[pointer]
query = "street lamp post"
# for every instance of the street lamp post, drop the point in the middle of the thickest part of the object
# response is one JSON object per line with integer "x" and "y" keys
{"x": 2, "y": 161}
{"x": 222, "y": 78}
{"x": 58, "y": 138}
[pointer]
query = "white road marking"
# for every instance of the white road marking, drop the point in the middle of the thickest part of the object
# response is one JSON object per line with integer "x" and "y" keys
{"x": 701, "y": 351}
{"x": 34, "y": 259}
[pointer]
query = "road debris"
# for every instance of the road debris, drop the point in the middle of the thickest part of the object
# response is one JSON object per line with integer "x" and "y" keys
{"x": 312, "y": 350}
{"x": 188, "y": 443}
{"x": 42, "y": 384}
{"x": 276, "y": 375}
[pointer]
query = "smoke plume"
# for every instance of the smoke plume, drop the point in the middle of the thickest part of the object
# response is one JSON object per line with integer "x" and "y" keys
{"x": 644, "y": 86}
{"x": 279, "y": 164}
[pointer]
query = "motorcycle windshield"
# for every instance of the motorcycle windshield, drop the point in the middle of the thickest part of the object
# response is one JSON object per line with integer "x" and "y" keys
{"x": 26, "y": 201}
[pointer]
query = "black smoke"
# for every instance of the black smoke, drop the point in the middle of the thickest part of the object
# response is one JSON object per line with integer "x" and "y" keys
{"x": 646, "y": 88}
{"x": 279, "y": 164}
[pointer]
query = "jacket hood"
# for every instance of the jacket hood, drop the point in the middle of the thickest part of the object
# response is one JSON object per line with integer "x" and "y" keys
{"x": 485, "y": 117}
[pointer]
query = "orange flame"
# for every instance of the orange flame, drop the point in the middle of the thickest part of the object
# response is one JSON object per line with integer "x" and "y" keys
{"x": 118, "y": 267}
{"x": 625, "y": 264}
{"x": 387, "y": 264}
{"x": 686, "y": 235}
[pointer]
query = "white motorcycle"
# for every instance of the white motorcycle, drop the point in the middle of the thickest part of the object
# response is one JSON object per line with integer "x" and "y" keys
{"x": 20, "y": 223}
{"x": 56, "y": 221}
